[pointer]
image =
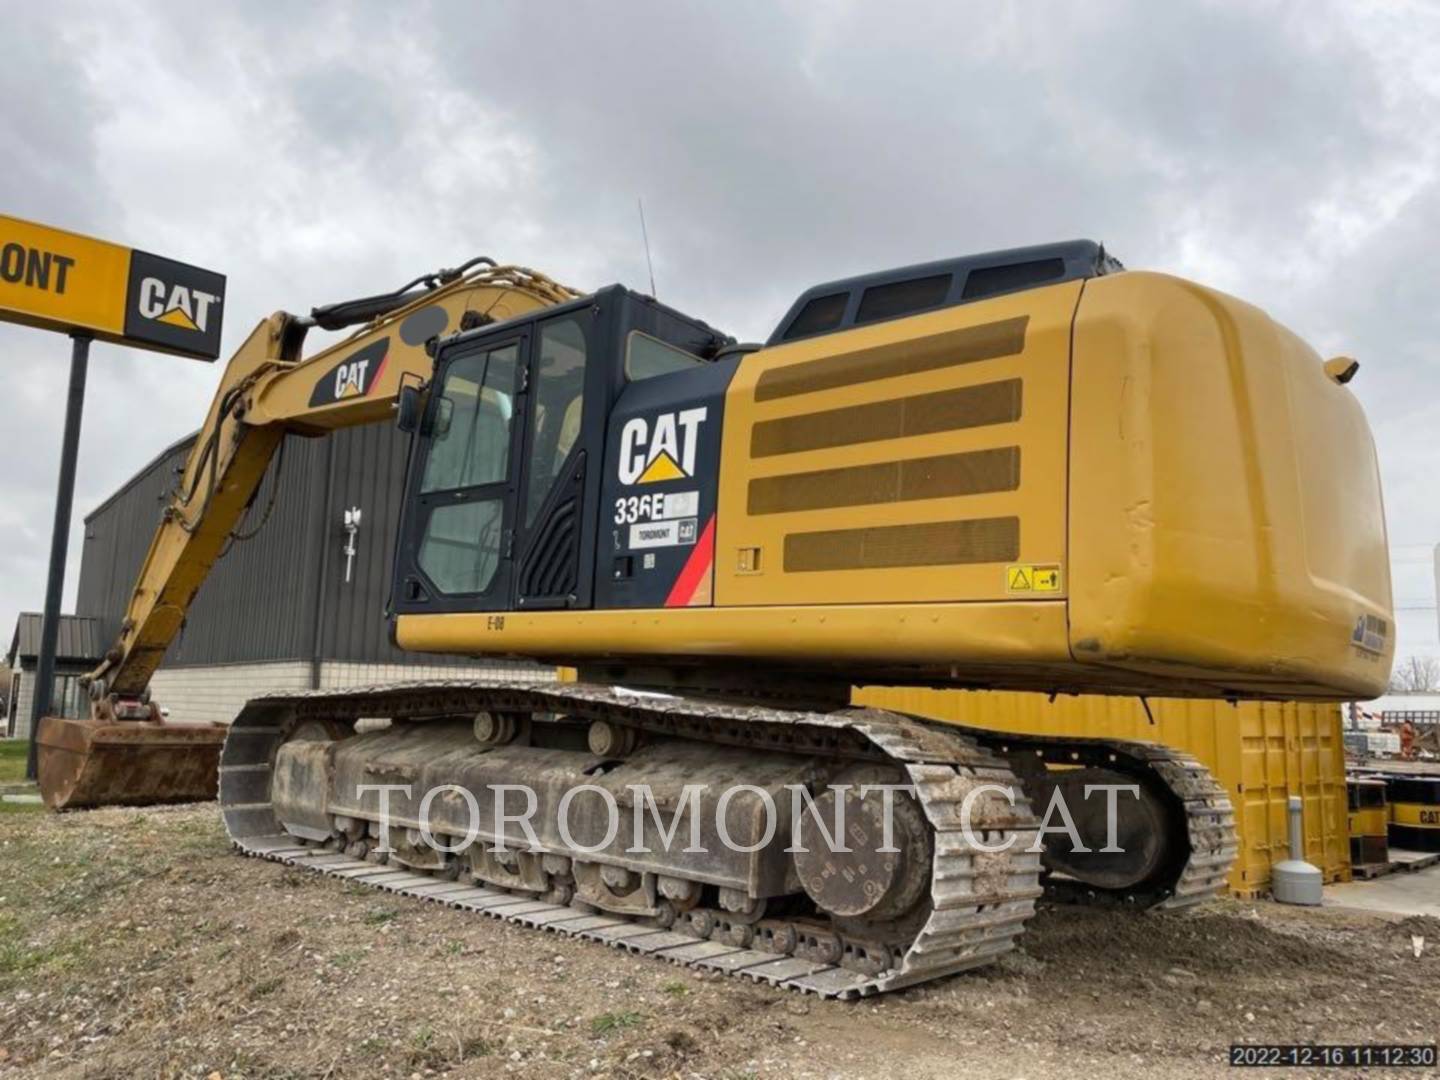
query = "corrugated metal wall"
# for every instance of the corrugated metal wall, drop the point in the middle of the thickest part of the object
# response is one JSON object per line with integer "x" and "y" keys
{"x": 117, "y": 535}
{"x": 260, "y": 600}
{"x": 369, "y": 470}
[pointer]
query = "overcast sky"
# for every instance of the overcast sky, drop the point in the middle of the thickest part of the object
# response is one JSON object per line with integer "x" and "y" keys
{"x": 1287, "y": 153}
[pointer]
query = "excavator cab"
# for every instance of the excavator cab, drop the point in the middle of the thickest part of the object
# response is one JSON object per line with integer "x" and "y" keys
{"x": 525, "y": 434}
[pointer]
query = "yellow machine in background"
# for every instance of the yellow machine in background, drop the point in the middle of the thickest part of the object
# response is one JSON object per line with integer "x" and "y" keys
{"x": 1027, "y": 469}
{"x": 1260, "y": 752}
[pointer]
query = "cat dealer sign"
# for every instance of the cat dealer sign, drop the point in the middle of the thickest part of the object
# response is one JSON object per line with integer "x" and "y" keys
{"x": 58, "y": 280}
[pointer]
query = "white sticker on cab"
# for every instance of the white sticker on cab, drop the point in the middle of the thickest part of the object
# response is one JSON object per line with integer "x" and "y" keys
{"x": 680, "y": 504}
{"x": 654, "y": 534}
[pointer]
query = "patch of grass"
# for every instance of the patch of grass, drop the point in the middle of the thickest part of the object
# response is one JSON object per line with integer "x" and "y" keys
{"x": 425, "y": 1050}
{"x": 16, "y": 958}
{"x": 205, "y": 836}
{"x": 428, "y": 1048}
{"x": 379, "y": 916}
{"x": 682, "y": 1042}
{"x": 452, "y": 948}
{"x": 82, "y": 893}
{"x": 476, "y": 1047}
{"x": 349, "y": 958}
{"x": 266, "y": 987}
{"x": 372, "y": 1046}
{"x": 12, "y": 778}
{"x": 19, "y": 956}
{"x": 12, "y": 760}
{"x": 294, "y": 879}
{"x": 675, "y": 989}
{"x": 607, "y": 1023}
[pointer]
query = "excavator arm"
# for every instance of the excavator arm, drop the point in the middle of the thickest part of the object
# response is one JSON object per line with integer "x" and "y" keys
{"x": 267, "y": 392}
{"x": 123, "y": 753}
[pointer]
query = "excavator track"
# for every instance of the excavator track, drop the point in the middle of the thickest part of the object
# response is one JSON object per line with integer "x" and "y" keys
{"x": 976, "y": 899}
{"x": 1199, "y": 806}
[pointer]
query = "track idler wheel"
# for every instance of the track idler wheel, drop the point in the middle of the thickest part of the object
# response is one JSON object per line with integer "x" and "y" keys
{"x": 865, "y": 881}
{"x": 1141, "y": 827}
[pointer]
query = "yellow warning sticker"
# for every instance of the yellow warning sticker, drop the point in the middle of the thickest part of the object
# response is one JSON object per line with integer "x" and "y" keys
{"x": 1033, "y": 577}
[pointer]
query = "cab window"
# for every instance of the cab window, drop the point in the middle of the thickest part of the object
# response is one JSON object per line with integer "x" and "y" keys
{"x": 559, "y": 407}
{"x": 646, "y": 357}
{"x": 469, "y": 451}
{"x": 471, "y": 441}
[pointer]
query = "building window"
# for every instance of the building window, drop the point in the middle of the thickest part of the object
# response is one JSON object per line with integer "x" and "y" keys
{"x": 68, "y": 697}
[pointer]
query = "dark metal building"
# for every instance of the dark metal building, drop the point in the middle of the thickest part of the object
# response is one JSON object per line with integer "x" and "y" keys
{"x": 288, "y": 609}
{"x": 78, "y": 647}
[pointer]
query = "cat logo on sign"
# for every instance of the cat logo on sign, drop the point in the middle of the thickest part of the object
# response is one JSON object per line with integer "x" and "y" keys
{"x": 175, "y": 305}
{"x": 58, "y": 280}
{"x": 1032, "y": 577}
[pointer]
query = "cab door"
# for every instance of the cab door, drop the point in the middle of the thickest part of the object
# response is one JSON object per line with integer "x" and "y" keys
{"x": 566, "y": 405}
{"x": 458, "y": 536}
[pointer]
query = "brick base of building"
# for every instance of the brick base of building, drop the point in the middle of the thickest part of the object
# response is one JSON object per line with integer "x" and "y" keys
{"x": 216, "y": 694}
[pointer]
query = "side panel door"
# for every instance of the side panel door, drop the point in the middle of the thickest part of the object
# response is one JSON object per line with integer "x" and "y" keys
{"x": 920, "y": 460}
{"x": 661, "y": 483}
{"x": 458, "y": 527}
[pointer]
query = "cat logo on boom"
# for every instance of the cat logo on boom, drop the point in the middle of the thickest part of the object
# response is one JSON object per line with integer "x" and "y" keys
{"x": 350, "y": 379}
{"x": 355, "y": 376}
{"x": 661, "y": 448}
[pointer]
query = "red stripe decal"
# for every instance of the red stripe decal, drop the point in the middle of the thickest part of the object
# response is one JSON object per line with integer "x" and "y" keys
{"x": 695, "y": 569}
{"x": 375, "y": 379}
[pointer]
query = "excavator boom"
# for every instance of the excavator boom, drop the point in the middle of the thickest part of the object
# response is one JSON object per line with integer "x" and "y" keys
{"x": 124, "y": 752}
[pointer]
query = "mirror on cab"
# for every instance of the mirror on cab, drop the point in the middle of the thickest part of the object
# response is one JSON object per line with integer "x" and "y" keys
{"x": 409, "y": 408}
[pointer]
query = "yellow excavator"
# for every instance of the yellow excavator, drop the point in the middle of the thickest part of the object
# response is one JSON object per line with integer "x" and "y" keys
{"x": 1029, "y": 469}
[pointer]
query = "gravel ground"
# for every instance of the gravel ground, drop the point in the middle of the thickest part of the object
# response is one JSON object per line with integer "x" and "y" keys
{"x": 133, "y": 944}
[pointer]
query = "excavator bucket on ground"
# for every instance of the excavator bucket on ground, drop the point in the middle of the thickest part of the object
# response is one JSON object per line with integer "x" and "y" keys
{"x": 86, "y": 763}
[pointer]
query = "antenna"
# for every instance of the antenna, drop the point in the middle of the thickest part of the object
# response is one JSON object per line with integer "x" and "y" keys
{"x": 646, "y": 237}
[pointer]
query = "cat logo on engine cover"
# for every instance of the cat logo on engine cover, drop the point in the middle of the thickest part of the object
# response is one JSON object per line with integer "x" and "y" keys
{"x": 660, "y": 448}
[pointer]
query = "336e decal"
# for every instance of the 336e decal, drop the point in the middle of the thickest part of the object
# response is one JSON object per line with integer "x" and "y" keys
{"x": 657, "y": 506}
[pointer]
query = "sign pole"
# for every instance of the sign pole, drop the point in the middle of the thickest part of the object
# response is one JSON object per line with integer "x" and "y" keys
{"x": 59, "y": 542}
